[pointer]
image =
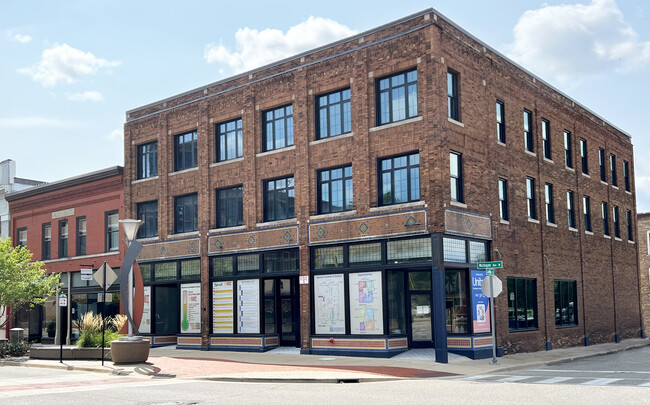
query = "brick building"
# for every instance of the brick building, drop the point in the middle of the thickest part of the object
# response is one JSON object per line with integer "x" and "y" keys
{"x": 69, "y": 225}
{"x": 643, "y": 224}
{"x": 340, "y": 200}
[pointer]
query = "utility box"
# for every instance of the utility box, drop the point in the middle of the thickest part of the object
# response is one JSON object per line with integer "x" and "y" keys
{"x": 16, "y": 335}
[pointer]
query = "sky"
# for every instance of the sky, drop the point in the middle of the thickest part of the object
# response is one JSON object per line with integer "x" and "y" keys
{"x": 69, "y": 70}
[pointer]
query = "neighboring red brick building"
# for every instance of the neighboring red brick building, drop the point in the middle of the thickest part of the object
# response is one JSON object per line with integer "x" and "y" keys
{"x": 643, "y": 224}
{"x": 347, "y": 194}
{"x": 69, "y": 225}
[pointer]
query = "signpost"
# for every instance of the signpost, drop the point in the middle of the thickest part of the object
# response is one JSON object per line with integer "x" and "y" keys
{"x": 105, "y": 276}
{"x": 491, "y": 288}
{"x": 63, "y": 302}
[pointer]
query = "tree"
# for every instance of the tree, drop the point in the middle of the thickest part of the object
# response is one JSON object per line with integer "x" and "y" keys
{"x": 23, "y": 283}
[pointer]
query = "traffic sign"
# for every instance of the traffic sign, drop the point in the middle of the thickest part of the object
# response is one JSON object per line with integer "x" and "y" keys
{"x": 63, "y": 300}
{"x": 110, "y": 276}
{"x": 497, "y": 286}
{"x": 489, "y": 265}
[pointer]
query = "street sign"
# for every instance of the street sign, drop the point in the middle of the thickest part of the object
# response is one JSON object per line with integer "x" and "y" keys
{"x": 497, "y": 286}
{"x": 86, "y": 274}
{"x": 489, "y": 272}
{"x": 110, "y": 276}
{"x": 63, "y": 300}
{"x": 489, "y": 265}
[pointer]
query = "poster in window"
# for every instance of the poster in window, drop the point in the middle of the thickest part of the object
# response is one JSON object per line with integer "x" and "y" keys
{"x": 329, "y": 304}
{"x": 366, "y": 310}
{"x": 222, "y": 307}
{"x": 191, "y": 308}
{"x": 248, "y": 306}
{"x": 145, "y": 322}
{"x": 480, "y": 304}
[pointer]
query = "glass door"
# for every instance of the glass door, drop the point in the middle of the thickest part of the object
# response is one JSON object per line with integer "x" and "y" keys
{"x": 419, "y": 297}
{"x": 289, "y": 299}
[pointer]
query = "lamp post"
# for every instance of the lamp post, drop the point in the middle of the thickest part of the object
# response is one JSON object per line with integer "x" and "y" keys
{"x": 130, "y": 227}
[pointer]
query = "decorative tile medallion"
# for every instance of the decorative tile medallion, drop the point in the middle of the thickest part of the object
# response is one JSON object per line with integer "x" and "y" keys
{"x": 171, "y": 249}
{"x": 286, "y": 236}
{"x": 467, "y": 223}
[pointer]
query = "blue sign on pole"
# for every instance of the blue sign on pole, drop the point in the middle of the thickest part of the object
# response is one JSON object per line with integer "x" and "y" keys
{"x": 480, "y": 304}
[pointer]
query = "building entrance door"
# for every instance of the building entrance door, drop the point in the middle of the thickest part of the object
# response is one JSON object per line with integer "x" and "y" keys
{"x": 419, "y": 299}
{"x": 281, "y": 312}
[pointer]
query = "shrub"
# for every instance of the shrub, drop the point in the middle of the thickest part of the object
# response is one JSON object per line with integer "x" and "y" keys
{"x": 90, "y": 326}
{"x": 17, "y": 349}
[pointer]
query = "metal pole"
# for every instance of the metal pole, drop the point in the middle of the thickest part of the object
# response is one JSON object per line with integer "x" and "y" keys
{"x": 69, "y": 311}
{"x": 60, "y": 341}
{"x": 103, "y": 311}
{"x": 130, "y": 301}
{"x": 494, "y": 341}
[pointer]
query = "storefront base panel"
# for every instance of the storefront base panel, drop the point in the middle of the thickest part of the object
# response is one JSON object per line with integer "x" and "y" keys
{"x": 157, "y": 341}
{"x": 189, "y": 342}
{"x": 474, "y": 347}
{"x": 244, "y": 343}
{"x": 363, "y": 347}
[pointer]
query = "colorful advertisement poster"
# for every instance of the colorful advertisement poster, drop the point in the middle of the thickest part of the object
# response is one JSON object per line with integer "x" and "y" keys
{"x": 329, "y": 308}
{"x": 366, "y": 310}
{"x": 191, "y": 308}
{"x": 248, "y": 306}
{"x": 145, "y": 322}
{"x": 222, "y": 307}
{"x": 480, "y": 304}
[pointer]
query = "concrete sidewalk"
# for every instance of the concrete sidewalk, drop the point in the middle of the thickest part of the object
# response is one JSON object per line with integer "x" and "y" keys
{"x": 287, "y": 365}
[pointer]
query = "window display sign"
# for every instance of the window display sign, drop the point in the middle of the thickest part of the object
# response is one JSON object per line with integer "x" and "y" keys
{"x": 248, "y": 306}
{"x": 191, "y": 308}
{"x": 329, "y": 304}
{"x": 145, "y": 322}
{"x": 222, "y": 307}
{"x": 366, "y": 310}
{"x": 480, "y": 304}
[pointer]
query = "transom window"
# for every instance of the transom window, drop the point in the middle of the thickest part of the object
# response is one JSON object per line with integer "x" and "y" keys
{"x": 335, "y": 190}
{"x": 186, "y": 213}
{"x": 185, "y": 151}
{"x": 148, "y": 160}
{"x": 148, "y": 214}
{"x": 277, "y": 127}
{"x": 397, "y": 97}
{"x": 229, "y": 140}
{"x": 230, "y": 207}
{"x": 399, "y": 179}
{"x": 279, "y": 199}
{"x": 334, "y": 116}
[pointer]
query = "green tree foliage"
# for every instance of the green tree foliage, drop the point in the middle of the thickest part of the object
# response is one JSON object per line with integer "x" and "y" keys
{"x": 23, "y": 283}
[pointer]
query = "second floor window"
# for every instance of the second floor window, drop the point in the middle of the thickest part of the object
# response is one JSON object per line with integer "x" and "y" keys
{"x": 456, "y": 172}
{"x": 397, "y": 97}
{"x": 583, "y": 156}
{"x": 81, "y": 236}
{"x": 46, "y": 249}
{"x": 601, "y": 162}
{"x": 279, "y": 199}
{"x": 570, "y": 207}
{"x": 530, "y": 198}
{"x": 546, "y": 139}
{"x": 453, "y": 102}
{"x": 63, "y": 238}
{"x": 148, "y": 160}
{"x": 399, "y": 179}
{"x": 605, "y": 214}
{"x": 229, "y": 143}
{"x": 612, "y": 167}
{"x": 186, "y": 213}
{"x": 334, "y": 116}
{"x": 22, "y": 237}
{"x": 548, "y": 202}
{"x": 501, "y": 122}
{"x": 568, "y": 157}
{"x": 335, "y": 190}
{"x": 112, "y": 231}
{"x": 147, "y": 212}
{"x": 185, "y": 151}
{"x": 277, "y": 128}
{"x": 230, "y": 207}
{"x": 529, "y": 140}
{"x": 503, "y": 200}
{"x": 586, "y": 210}
{"x": 626, "y": 175}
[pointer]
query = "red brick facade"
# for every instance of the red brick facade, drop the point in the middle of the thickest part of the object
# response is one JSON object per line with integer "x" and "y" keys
{"x": 604, "y": 268}
{"x": 643, "y": 226}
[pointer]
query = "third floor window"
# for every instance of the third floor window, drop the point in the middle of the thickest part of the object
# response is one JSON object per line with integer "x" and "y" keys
{"x": 601, "y": 162}
{"x": 333, "y": 115}
{"x": 529, "y": 140}
{"x": 397, "y": 97}
{"x": 229, "y": 140}
{"x": 612, "y": 167}
{"x": 185, "y": 151}
{"x": 147, "y": 160}
{"x": 453, "y": 99}
{"x": 584, "y": 156}
{"x": 277, "y": 128}
{"x": 546, "y": 139}
{"x": 568, "y": 156}
{"x": 501, "y": 122}
{"x": 626, "y": 174}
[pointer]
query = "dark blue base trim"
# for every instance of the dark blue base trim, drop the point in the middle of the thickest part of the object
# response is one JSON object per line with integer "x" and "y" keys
{"x": 242, "y": 349}
{"x": 477, "y": 354}
{"x": 162, "y": 344}
{"x": 384, "y": 354}
{"x": 549, "y": 346}
{"x": 191, "y": 347}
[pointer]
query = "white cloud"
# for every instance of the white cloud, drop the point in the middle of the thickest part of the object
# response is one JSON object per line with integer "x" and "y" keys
{"x": 22, "y": 38}
{"x": 116, "y": 135}
{"x": 64, "y": 64}
{"x": 256, "y": 48}
{"x": 35, "y": 123}
{"x": 93, "y": 96}
{"x": 570, "y": 42}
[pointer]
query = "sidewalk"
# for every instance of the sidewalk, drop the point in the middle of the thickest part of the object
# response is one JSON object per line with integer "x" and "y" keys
{"x": 287, "y": 365}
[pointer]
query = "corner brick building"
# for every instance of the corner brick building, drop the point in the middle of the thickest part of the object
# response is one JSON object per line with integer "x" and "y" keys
{"x": 340, "y": 200}
{"x": 643, "y": 225}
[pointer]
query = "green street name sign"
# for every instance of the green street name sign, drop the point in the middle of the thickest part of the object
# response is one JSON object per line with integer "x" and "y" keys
{"x": 489, "y": 265}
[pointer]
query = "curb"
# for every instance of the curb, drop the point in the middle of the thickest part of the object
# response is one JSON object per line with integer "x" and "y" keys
{"x": 300, "y": 380}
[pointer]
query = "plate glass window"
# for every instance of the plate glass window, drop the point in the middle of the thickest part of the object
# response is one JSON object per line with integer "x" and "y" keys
{"x": 546, "y": 139}
{"x": 399, "y": 179}
{"x": 501, "y": 122}
{"x": 568, "y": 157}
{"x": 333, "y": 114}
{"x": 81, "y": 236}
{"x": 230, "y": 207}
{"x": 148, "y": 214}
{"x": 63, "y": 238}
{"x": 503, "y": 200}
{"x": 279, "y": 196}
{"x": 112, "y": 231}
{"x": 570, "y": 206}
{"x": 46, "y": 251}
{"x": 185, "y": 151}
{"x": 583, "y": 156}
{"x": 335, "y": 190}
{"x": 586, "y": 210}
{"x": 277, "y": 128}
{"x": 530, "y": 198}
{"x": 456, "y": 174}
{"x": 148, "y": 160}
{"x": 229, "y": 140}
{"x": 522, "y": 303}
{"x": 529, "y": 141}
{"x": 548, "y": 203}
{"x": 453, "y": 102}
{"x": 397, "y": 97}
{"x": 566, "y": 306}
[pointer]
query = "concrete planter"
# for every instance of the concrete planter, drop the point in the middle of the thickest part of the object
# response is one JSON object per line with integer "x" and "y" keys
{"x": 130, "y": 351}
{"x": 69, "y": 353}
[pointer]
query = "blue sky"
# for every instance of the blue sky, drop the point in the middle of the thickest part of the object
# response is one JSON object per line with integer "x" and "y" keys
{"x": 69, "y": 70}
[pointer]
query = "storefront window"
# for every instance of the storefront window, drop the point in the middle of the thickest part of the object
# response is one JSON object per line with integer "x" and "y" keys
{"x": 222, "y": 266}
{"x": 330, "y": 257}
{"x": 366, "y": 306}
{"x": 191, "y": 269}
{"x": 396, "y": 311}
{"x": 145, "y": 270}
{"x": 409, "y": 250}
{"x": 248, "y": 263}
{"x": 456, "y": 299}
{"x": 365, "y": 254}
{"x": 454, "y": 250}
{"x": 477, "y": 252}
{"x": 269, "y": 306}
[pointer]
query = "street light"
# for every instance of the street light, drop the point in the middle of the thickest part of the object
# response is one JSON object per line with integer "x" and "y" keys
{"x": 130, "y": 227}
